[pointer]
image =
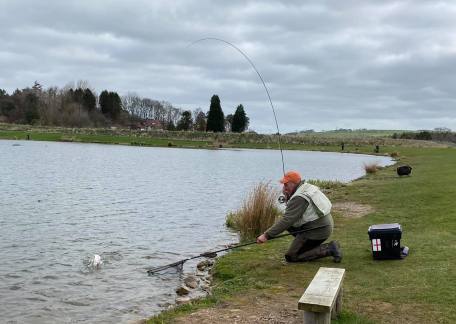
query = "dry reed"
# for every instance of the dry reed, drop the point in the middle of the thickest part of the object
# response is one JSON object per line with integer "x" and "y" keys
{"x": 257, "y": 213}
{"x": 371, "y": 168}
{"x": 394, "y": 154}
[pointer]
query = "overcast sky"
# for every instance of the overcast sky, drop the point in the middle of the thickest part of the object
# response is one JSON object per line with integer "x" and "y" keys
{"x": 327, "y": 64}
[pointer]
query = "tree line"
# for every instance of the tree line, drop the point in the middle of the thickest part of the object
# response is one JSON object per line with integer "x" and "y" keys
{"x": 217, "y": 122}
{"x": 441, "y": 134}
{"x": 80, "y": 106}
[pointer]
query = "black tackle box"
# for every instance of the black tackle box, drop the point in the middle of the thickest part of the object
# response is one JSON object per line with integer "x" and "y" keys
{"x": 385, "y": 241}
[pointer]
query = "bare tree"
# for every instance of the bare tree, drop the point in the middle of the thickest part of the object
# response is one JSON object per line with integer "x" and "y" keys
{"x": 131, "y": 102}
{"x": 200, "y": 120}
{"x": 52, "y": 102}
{"x": 83, "y": 84}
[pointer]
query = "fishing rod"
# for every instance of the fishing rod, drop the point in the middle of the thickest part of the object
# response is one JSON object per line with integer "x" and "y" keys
{"x": 213, "y": 254}
{"x": 262, "y": 81}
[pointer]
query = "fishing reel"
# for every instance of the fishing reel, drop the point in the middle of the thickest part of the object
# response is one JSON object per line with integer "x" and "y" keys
{"x": 282, "y": 199}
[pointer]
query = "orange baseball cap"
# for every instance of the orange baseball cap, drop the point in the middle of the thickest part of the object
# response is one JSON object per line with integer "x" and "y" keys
{"x": 292, "y": 176}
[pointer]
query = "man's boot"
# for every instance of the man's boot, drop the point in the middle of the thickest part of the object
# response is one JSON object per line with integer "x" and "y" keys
{"x": 318, "y": 252}
{"x": 335, "y": 251}
{"x": 328, "y": 249}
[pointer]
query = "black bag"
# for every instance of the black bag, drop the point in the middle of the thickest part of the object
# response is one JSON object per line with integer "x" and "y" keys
{"x": 386, "y": 241}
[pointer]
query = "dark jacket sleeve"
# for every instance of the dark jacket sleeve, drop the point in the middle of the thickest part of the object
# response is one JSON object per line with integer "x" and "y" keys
{"x": 295, "y": 209}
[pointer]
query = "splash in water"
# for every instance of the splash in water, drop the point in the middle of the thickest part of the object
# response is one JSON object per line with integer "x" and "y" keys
{"x": 95, "y": 262}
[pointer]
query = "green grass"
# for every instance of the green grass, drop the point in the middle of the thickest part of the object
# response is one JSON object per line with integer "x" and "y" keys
{"x": 325, "y": 141}
{"x": 418, "y": 289}
{"x": 65, "y": 135}
{"x": 326, "y": 184}
{"x": 103, "y": 139}
{"x": 362, "y": 133}
{"x": 344, "y": 133}
{"x": 154, "y": 140}
{"x": 351, "y": 318}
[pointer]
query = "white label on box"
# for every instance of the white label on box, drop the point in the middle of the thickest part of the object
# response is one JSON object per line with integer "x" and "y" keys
{"x": 376, "y": 245}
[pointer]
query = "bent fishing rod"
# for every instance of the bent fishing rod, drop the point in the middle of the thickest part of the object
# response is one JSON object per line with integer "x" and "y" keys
{"x": 262, "y": 81}
{"x": 213, "y": 254}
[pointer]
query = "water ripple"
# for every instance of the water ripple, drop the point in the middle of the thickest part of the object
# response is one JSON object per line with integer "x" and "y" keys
{"x": 135, "y": 207}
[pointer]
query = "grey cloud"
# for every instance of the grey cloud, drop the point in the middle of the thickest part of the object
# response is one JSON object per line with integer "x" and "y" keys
{"x": 327, "y": 64}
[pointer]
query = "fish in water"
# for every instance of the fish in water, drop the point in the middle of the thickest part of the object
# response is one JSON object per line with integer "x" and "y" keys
{"x": 96, "y": 262}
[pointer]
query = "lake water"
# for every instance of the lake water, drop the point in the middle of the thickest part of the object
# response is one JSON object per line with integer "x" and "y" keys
{"x": 61, "y": 203}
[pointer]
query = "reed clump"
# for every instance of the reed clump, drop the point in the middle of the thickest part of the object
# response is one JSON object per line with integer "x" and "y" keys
{"x": 371, "y": 168}
{"x": 394, "y": 154}
{"x": 257, "y": 213}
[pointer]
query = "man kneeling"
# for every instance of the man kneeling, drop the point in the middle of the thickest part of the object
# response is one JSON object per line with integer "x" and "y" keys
{"x": 307, "y": 216}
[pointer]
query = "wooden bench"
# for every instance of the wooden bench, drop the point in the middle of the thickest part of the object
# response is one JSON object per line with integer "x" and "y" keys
{"x": 322, "y": 299}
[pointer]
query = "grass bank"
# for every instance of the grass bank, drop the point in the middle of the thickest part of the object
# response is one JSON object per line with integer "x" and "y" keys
{"x": 418, "y": 289}
{"x": 328, "y": 141}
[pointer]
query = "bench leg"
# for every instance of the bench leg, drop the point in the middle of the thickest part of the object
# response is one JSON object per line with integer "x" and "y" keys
{"x": 317, "y": 318}
{"x": 337, "y": 305}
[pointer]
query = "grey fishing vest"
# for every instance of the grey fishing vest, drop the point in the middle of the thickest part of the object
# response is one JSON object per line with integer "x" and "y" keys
{"x": 319, "y": 204}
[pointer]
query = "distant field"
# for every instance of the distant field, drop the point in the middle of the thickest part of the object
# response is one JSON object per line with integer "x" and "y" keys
{"x": 352, "y": 133}
{"x": 354, "y": 141}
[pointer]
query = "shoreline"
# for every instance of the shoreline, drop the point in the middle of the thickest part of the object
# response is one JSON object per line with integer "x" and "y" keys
{"x": 240, "y": 273}
{"x": 251, "y": 282}
{"x": 187, "y": 299}
{"x": 179, "y": 302}
{"x": 202, "y": 140}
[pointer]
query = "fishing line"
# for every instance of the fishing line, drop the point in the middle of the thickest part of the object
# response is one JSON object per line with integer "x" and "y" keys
{"x": 262, "y": 81}
{"x": 213, "y": 254}
{"x": 179, "y": 264}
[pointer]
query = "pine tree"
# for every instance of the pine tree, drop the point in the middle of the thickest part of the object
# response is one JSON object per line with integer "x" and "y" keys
{"x": 31, "y": 104}
{"x": 186, "y": 121}
{"x": 110, "y": 104}
{"x": 215, "y": 116}
{"x": 88, "y": 100}
{"x": 240, "y": 120}
{"x": 77, "y": 95}
{"x": 105, "y": 105}
{"x": 116, "y": 105}
{"x": 37, "y": 87}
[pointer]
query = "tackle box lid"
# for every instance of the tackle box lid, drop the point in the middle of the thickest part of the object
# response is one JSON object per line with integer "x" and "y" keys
{"x": 383, "y": 228}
